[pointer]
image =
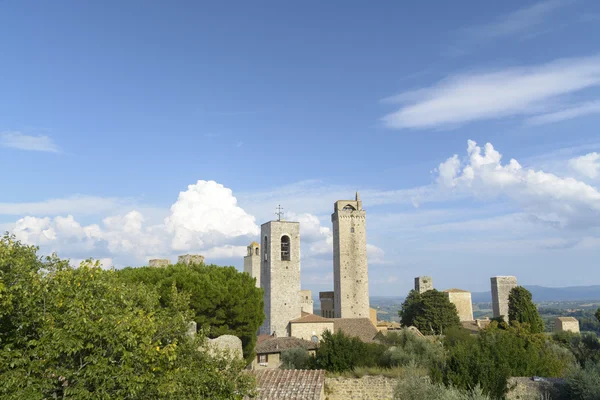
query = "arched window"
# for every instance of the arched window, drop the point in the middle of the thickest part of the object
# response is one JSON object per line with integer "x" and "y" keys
{"x": 256, "y": 251}
{"x": 285, "y": 248}
{"x": 348, "y": 207}
{"x": 352, "y": 230}
{"x": 315, "y": 339}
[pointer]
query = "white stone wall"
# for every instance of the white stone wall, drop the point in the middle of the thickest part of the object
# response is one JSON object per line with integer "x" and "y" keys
{"x": 306, "y": 301}
{"x": 350, "y": 268}
{"x": 306, "y": 330}
{"x": 423, "y": 283}
{"x": 464, "y": 306}
{"x": 501, "y": 287}
{"x": 566, "y": 326}
{"x": 280, "y": 279}
{"x": 252, "y": 263}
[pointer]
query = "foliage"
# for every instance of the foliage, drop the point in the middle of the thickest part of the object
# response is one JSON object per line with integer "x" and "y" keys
{"x": 225, "y": 301}
{"x": 585, "y": 346}
{"x": 413, "y": 386}
{"x": 522, "y": 309}
{"x": 598, "y": 314}
{"x": 82, "y": 333}
{"x": 431, "y": 312}
{"x": 489, "y": 359}
{"x": 296, "y": 358}
{"x": 584, "y": 383}
{"x": 406, "y": 348}
{"x": 338, "y": 352}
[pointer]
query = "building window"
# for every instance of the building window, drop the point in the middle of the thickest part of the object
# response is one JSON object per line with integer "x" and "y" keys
{"x": 263, "y": 358}
{"x": 352, "y": 230}
{"x": 285, "y": 248}
{"x": 266, "y": 247}
{"x": 315, "y": 339}
{"x": 256, "y": 251}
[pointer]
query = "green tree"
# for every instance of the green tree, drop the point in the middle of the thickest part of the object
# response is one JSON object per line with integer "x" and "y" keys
{"x": 296, "y": 358}
{"x": 82, "y": 333}
{"x": 598, "y": 314}
{"x": 224, "y": 301}
{"x": 522, "y": 309}
{"x": 338, "y": 352}
{"x": 584, "y": 383}
{"x": 431, "y": 312}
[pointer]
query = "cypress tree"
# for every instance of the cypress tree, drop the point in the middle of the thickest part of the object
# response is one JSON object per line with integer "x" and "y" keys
{"x": 522, "y": 309}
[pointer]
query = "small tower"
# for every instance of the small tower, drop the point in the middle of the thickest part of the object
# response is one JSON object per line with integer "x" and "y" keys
{"x": 350, "y": 268}
{"x": 280, "y": 275}
{"x": 423, "y": 283}
{"x": 501, "y": 287}
{"x": 252, "y": 262}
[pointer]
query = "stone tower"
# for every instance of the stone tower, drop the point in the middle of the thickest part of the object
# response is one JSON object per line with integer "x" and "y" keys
{"x": 423, "y": 283}
{"x": 501, "y": 287}
{"x": 280, "y": 275}
{"x": 252, "y": 262}
{"x": 350, "y": 268}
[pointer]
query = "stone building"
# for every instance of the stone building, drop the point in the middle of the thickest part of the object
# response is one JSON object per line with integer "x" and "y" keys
{"x": 159, "y": 262}
{"x": 566, "y": 324}
{"x": 280, "y": 275}
{"x": 190, "y": 259}
{"x": 350, "y": 269}
{"x": 501, "y": 287}
{"x": 268, "y": 350}
{"x": 462, "y": 300}
{"x": 327, "y": 304}
{"x": 310, "y": 327}
{"x": 252, "y": 262}
{"x": 306, "y": 301}
{"x": 423, "y": 283}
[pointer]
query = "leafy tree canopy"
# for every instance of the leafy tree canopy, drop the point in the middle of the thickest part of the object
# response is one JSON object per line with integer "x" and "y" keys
{"x": 522, "y": 309}
{"x": 82, "y": 333}
{"x": 224, "y": 300}
{"x": 598, "y": 314}
{"x": 431, "y": 312}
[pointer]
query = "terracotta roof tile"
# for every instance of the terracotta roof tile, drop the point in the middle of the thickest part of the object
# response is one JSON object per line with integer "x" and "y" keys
{"x": 567, "y": 319}
{"x": 290, "y": 384}
{"x": 278, "y": 344}
{"x": 361, "y": 328}
{"x": 310, "y": 318}
{"x": 456, "y": 291}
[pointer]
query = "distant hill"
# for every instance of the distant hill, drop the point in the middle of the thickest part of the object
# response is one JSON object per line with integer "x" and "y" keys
{"x": 541, "y": 293}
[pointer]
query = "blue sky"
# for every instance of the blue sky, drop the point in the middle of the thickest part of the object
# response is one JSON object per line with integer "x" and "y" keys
{"x": 150, "y": 129}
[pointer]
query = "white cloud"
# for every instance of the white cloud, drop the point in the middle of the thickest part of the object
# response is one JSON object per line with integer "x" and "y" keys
{"x": 547, "y": 197}
{"x": 587, "y": 165}
{"x": 77, "y": 205}
{"x": 579, "y": 110}
{"x": 18, "y": 140}
{"x": 510, "y": 92}
{"x": 519, "y": 21}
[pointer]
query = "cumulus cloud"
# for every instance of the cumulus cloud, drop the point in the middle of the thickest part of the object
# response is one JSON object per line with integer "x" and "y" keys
{"x": 18, "y": 140}
{"x": 533, "y": 90}
{"x": 547, "y": 197}
{"x": 587, "y": 165}
{"x": 204, "y": 218}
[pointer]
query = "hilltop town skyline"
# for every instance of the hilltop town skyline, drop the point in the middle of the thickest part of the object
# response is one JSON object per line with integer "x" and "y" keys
{"x": 471, "y": 133}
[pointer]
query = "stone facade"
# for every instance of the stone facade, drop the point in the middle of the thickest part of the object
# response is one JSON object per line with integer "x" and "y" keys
{"x": 311, "y": 330}
{"x": 306, "y": 301}
{"x": 423, "y": 283}
{"x": 566, "y": 324}
{"x": 252, "y": 262}
{"x": 350, "y": 268}
{"x": 159, "y": 262}
{"x": 190, "y": 259}
{"x": 365, "y": 388}
{"x": 501, "y": 287}
{"x": 327, "y": 304}
{"x": 373, "y": 316}
{"x": 280, "y": 275}
{"x": 462, "y": 300}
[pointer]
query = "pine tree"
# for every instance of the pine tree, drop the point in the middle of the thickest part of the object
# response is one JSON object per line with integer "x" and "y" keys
{"x": 522, "y": 309}
{"x": 431, "y": 312}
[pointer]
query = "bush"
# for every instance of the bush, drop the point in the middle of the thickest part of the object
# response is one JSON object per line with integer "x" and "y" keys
{"x": 585, "y": 347}
{"x": 413, "y": 386}
{"x": 584, "y": 383}
{"x": 296, "y": 358}
{"x": 338, "y": 352}
{"x": 407, "y": 348}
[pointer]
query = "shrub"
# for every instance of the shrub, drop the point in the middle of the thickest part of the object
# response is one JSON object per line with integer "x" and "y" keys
{"x": 431, "y": 312}
{"x": 338, "y": 352}
{"x": 296, "y": 358}
{"x": 413, "y": 386}
{"x": 584, "y": 383}
{"x": 407, "y": 348}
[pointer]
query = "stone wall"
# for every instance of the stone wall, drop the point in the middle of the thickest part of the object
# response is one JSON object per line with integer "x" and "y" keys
{"x": 350, "y": 267}
{"x": 566, "y": 324}
{"x": 462, "y": 300}
{"x": 365, "y": 388}
{"x": 306, "y": 330}
{"x": 159, "y": 262}
{"x": 327, "y": 306}
{"x": 190, "y": 259}
{"x": 501, "y": 287}
{"x": 525, "y": 388}
{"x": 423, "y": 283}
{"x": 306, "y": 301}
{"x": 252, "y": 262}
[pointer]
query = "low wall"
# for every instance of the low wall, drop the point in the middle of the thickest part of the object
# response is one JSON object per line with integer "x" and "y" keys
{"x": 365, "y": 388}
{"x": 527, "y": 388}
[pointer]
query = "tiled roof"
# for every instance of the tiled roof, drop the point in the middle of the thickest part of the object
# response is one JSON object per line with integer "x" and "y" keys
{"x": 567, "y": 319}
{"x": 456, "y": 291}
{"x": 278, "y": 344}
{"x": 263, "y": 337}
{"x": 361, "y": 328}
{"x": 297, "y": 384}
{"x": 310, "y": 318}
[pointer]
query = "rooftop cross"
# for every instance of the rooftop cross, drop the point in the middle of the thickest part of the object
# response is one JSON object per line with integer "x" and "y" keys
{"x": 279, "y": 213}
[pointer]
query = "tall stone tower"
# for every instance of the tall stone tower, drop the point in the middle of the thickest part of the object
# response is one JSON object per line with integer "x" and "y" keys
{"x": 252, "y": 262}
{"x": 423, "y": 283}
{"x": 280, "y": 275}
{"x": 350, "y": 268}
{"x": 501, "y": 287}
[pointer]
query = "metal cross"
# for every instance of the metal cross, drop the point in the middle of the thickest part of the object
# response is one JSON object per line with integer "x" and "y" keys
{"x": 279, "y": 213}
